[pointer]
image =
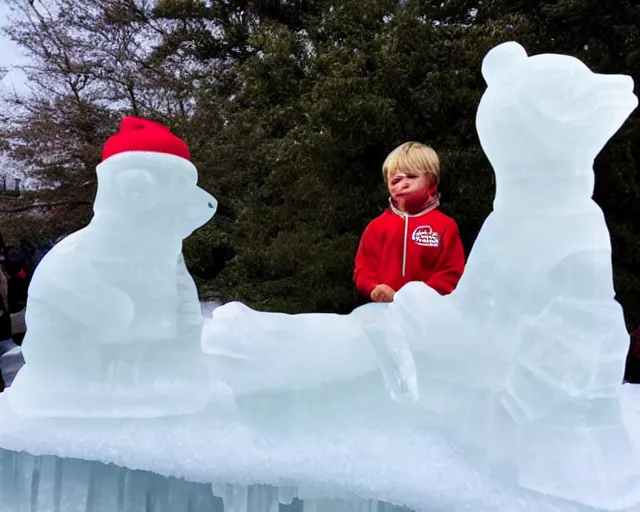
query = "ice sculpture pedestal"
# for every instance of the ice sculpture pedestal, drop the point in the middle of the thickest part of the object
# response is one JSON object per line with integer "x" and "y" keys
{"x": 175, "y": 460}
{"x": 78, "y": 485}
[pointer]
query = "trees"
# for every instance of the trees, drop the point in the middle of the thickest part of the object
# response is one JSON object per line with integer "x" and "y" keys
{"x": 606, "y": 36}
{"x": 290, "y": 108}
{"x": 90, "y": 63}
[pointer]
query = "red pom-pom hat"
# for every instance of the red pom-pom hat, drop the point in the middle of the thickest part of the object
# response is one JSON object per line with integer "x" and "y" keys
{"x": 137, "y": 134}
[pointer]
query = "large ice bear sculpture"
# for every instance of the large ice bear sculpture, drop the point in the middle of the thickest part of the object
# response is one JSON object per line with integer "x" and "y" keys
{"x": 533, "y": 388}
{"x": 113, "y": 316}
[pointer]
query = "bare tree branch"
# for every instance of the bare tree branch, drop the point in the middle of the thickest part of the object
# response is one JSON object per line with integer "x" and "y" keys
{"x": 54, "y": 204}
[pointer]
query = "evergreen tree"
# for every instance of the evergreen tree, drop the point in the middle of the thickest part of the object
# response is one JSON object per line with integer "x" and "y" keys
{"x": 290, "y": 108}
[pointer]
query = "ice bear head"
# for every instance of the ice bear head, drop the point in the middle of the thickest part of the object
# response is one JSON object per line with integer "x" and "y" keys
{"x": 547, "y": 114}
{"x": 147, "y": 183}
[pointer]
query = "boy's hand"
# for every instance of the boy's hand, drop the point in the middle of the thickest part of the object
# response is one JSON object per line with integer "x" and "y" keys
{"x": 382, "y": 293}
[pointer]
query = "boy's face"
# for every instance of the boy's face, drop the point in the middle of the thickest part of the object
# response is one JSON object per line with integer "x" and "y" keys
{"x": 410, "y": 191}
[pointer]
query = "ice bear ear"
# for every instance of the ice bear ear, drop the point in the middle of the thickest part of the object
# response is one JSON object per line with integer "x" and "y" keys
{"x": 137, "y": 188}
{"x": 500, "y": 59}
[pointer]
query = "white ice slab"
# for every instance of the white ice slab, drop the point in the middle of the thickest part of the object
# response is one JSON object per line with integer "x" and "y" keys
{"x": 409, "y": 467}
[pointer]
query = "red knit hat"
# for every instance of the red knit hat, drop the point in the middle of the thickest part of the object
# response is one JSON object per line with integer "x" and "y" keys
{"x": 137, "y": 134}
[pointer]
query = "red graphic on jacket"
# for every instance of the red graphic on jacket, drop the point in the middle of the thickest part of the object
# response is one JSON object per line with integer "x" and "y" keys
{"x": 397, "y": 248}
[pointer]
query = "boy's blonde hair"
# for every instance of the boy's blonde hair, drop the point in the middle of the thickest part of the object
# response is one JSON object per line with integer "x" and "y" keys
{"x": 412, "y": 158}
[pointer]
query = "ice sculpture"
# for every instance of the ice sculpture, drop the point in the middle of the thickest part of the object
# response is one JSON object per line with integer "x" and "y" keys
{"x": 113, "y": 316}
{"x": 522, "y": 364}
{"x": 548, "y": 336}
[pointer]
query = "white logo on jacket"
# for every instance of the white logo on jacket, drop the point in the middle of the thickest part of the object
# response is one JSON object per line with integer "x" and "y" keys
{"x": 424, "y": 235}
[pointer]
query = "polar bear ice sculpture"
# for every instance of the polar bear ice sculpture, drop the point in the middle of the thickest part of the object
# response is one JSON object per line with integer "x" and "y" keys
{"x": 550, "y": 340}
{"x": 522, "y": 363}
{"x": 113, "y": 316}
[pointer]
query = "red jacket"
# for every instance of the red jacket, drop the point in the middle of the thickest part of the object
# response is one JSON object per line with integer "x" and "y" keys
{"x": 397, "y": 248}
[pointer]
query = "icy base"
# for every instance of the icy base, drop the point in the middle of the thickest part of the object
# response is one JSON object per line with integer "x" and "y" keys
{"x": 52, "y": 484}
{"x": 365, "y": 463}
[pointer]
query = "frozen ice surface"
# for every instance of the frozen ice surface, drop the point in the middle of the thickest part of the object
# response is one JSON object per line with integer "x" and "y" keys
{"x": 114, "y": 320}
{"x": 53, "y": 484}
{"x": 390, "y": 462}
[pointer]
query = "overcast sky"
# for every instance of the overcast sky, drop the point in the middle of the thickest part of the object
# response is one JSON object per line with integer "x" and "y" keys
{"x": 10, "y": 55}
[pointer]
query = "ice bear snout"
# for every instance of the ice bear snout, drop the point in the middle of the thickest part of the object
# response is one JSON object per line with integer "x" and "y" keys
{"x": 614, "y": 91}
{"x": 200, "y": 208}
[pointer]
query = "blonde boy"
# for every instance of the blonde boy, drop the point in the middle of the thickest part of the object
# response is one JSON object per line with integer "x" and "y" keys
{"x": 411, "y": 240}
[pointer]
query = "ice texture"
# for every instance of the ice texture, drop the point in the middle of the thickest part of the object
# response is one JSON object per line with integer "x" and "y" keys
{"x": 331, "y": 460}
{"x": 522, "y": 365}
{"x": 52, "y": 484}
{"x": 114, "y": 319}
